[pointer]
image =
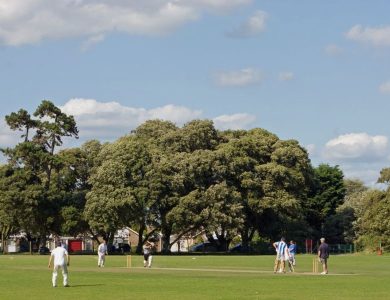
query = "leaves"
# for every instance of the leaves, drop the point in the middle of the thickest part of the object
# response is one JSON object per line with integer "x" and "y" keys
{"x": 174, "y": 180}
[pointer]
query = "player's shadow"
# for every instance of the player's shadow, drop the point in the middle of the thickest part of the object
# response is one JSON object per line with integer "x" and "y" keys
{"x": 85, "y": 285}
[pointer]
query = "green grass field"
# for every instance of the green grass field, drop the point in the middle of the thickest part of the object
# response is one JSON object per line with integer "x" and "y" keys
{"x": 196, "y": 277}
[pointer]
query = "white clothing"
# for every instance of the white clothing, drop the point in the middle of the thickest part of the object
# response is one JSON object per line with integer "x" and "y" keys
{"x": 101, "y": 259}
{"x": 149, "y": 261}
{"x": 148, "y": 258}
{"x": 284, "y": 256}
{"x": 146, "y": 250}
{"x": 282, "y": 251}
{"x": 292, "y": 258}
{"x": 59, "y": 254}
{"x": 102, "y": 248}
{"x": 64, "y": 274}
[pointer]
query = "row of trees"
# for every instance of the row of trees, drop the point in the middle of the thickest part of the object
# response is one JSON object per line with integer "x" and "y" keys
{"x": 177, "y": 181}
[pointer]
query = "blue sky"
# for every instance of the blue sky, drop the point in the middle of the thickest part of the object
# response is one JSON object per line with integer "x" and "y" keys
{"x": 315, "y": 71}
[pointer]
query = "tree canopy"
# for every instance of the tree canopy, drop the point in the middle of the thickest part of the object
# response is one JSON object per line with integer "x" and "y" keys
{"x": 178, "y": 181}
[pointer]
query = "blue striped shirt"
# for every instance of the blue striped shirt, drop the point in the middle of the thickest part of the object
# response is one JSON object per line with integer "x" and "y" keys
{"x": 281, "y": 248}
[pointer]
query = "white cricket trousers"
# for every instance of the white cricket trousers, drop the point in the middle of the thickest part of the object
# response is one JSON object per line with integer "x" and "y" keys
{"x": 148, "y": 260}
{"x": 101, "y": 259}
{"x": 64, "y": 269}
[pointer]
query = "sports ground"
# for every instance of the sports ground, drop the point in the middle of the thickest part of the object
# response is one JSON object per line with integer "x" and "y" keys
{"x": 354, "y": 276}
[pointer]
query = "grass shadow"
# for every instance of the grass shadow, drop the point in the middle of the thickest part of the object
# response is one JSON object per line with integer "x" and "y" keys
{"x": 85, "y": 285}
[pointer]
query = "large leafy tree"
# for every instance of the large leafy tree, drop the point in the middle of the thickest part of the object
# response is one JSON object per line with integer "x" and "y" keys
{"x": 72, "y": 177}
{"x": 374, "y": 226}
{"x": 131, "y": 177}
{"x": 36, "y": 154}
{"x": 120, "y": 195}
{"x": 188, "y": 168}
{"x": 327, "y": 193}
{"x": 372, "y": 211}
{"x": 176, "y": 171}
{"x": 263, "y": 181}
{"x": 238, "y": 155}
{"x": 20, "y": 192}
{"x": 271, "y": 177}
{"x": 343, "y": 226}
{"x": 285, "y": 184}
{"x": 210, "y": 205}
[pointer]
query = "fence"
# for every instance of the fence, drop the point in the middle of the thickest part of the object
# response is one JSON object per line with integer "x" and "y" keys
{"x": 341, "y": 248}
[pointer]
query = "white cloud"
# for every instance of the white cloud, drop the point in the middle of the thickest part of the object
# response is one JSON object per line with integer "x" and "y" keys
{"x": 216, "y": 5}
{"x": 286, "y": 76}
{"x": 385, "y": 87}
{"x": 234, "y": 122}
{"x": 333, "y": 50}
{"x": 244, "y": 77}
{"x": 358, "y": 155}
{"x": 109, "y": 120}
{"x": 8, "y": 137}
{"x": 368, "y": 173}
{"x": 252, "y": 27}
{"x": 176, "y": 114}
{"x": 31, "y": 21}
{"x": 376, "y": 36}
{"x": 311, "y": 149}
{"x": 93, "y": 40}
{"x": 357, "y": 147}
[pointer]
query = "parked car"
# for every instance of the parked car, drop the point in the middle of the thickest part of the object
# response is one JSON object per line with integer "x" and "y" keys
{"x": 119, "y": 249}
{"x": 204, "y": 247}
{"x": 124, "y": 248}
{"x": 239, "y": 249}
{"x": 43, "y": 250}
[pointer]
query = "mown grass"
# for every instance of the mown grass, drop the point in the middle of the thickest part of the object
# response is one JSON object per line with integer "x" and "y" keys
{"x": 196, "y": 277}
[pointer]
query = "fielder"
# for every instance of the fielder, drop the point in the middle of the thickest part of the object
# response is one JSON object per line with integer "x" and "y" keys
{"x": 102, "y": 251}
{"x": 59, "y": 254}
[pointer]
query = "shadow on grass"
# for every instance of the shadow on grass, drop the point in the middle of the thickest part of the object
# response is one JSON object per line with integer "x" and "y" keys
{"x": 85, "y": 285}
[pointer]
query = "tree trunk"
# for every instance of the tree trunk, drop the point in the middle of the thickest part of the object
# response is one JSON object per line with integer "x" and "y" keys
{"x": 110, "y": 238}
{"x": 42, "y": 240}
{"x": 179, "y": 236}
{"x": 222, "y": 242}
{"x": 2, "y": 242}
{"x": 166, "y": 231}
{"x": 166, "y": 241}
{"x": 140, "y": 239}
{"x": 245, "y": 239}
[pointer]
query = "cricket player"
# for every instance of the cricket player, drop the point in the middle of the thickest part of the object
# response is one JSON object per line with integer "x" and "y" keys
{"x": 282, "y": 255}
{"x": 59, "y": 254}
{"x": 147, "y": 249}
{"x": 102, "y": 251}
{"x": 323, "y": 255}
{"x": 292, "y": 248}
